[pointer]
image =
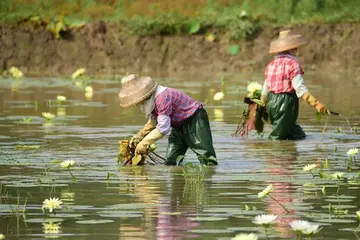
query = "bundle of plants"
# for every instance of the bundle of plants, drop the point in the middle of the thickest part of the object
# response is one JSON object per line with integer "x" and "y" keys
{"x": 254, "y": 116}
{"x": 128, "y": 157}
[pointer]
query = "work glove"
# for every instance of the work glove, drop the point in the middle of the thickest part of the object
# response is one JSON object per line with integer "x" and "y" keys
{"x": 311, "y": 100}
{"x": 144, "y": 145}
{"x": 148, "y": 127}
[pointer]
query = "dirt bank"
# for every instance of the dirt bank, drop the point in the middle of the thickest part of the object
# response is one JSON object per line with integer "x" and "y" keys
{"x": 108, "y": 49}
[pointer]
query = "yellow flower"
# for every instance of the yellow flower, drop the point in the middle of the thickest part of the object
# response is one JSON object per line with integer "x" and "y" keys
{"x": 309, "y": 167}
{"x": 15, "y": 72}
{"x": 88, "y": 89}
{"x": 253, "y": 87}
{"x": 67, "y": 163}
{"x": 219, "y": 96}
{"x": 48, "y": 116}
{"x": 358, "y": 215}
{"x": 78, "y": 73}
{"x": 128, "y": 78}
{"x": 2, "y": 236}
{"x": 352, "y": 152}
{"x": 51, "y": 204}
{"x": 61, "y": 98}
{"x": 51, "y": 228}
{"x": 245, "y": 236}
{"x": 266, "y": 191}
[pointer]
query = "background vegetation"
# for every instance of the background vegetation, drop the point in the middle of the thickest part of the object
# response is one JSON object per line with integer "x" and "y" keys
{"x": 242, "y": 18}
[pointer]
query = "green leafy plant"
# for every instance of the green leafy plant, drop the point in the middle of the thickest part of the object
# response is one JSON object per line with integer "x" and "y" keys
{"x": 234, "y": 49}
{"x": 194, "y": 27}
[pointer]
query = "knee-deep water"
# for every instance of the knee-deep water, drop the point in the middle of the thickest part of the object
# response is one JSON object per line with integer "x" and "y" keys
{"x": 102, "y": 200}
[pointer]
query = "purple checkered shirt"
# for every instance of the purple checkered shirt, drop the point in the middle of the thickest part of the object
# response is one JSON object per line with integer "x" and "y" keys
{"x": 175, "y": 105}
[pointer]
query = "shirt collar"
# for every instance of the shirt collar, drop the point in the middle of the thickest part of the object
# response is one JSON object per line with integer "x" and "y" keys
{"x": 286, "y": 55}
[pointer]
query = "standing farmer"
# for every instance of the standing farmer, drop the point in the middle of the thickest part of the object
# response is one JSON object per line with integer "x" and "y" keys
{"x": 169, "y": 109}
{"x": 284, "y": 85}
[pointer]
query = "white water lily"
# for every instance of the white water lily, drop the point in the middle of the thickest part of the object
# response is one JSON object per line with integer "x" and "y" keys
{"x": 51, "y": 204}
{"x": 2, "y": 236}
{"x": 89, "y": 89}
{"x": 265, "y": 219}
{"x": 309, "y": 167}
{"x": 266, "y": 191}
{"x": 253, "y": 87}
{"x": 61, "y": 98}
{"x": 304, "y": 227}
{"x": 218, "y": 96}
{"x": 78, "y": 73}
{"x": 67, "y": 163}
{"x": 245, "y": 236}
{"x": 352, "y": 152}
{"x": 15, "y": 72}
{"x": 358, "y": 215}
{"x": 47, "y": 116}
{"x": 51, "y": 228}
{"x": 338, "y": 175}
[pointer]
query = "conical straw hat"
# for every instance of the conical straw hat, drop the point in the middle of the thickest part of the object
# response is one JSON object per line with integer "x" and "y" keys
{"x": 286, "y": 41}
{"x": 135, "y": 90}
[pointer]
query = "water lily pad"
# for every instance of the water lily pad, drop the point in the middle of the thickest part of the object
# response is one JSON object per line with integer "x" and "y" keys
{"x": 214, "y": 231}
{"x": 131, "y": 206}
{"x": 205, "y": 219}
{"x": 120, "y": 214}
{"x": 334, "y": 220}
{"x": 99, "y": 221}
{"x": 43, "y": 220}
{"x": 67, "y": 215}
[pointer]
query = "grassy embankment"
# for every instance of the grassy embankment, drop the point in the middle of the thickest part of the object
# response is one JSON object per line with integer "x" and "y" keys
{"x": 151, "y": 17}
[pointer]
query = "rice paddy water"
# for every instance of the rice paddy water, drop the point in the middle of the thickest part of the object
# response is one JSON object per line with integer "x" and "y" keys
{"x": 91, "y": 197}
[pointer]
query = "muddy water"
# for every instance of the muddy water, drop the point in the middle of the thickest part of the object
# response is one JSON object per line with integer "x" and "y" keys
{"x": 106, "y": 201}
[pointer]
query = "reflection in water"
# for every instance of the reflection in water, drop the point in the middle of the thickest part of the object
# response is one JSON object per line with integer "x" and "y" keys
{"x": 280, "y": 164}
{"x": 218, "y": 115}
{"x": 51, "y": 230}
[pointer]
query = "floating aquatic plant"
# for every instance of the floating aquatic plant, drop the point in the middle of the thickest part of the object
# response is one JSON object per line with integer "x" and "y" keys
{"x": 2, "y": 236}
{"x": 266, "y": 193}
{"x": 51, "y": 204}
{"x": 78, "y": 73}
{"x": 245, "y": 236}
{"x": 352, "y": 154}
{"x": 219, "y": 96}
{"x": 89, "y": 92}
{"x": 338, "y": 176}
{"x": 68, "y": 164}
{"x": 358, "y": 217}
{"x": 26, "y": 120}
{"x": 309, "y": 168}
{"x": 302, "y": 227}
{"x": 48, "y": 116}
{"x": 61, "y": 98}
{"x": 28, "y": 147}
{"x": 265, "y": 220}
{"x": 14, "y": 72}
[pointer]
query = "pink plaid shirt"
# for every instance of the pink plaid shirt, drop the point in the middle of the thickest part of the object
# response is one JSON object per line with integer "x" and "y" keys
{"x": 176, "y": 105}
{"x": 279, "y": 73}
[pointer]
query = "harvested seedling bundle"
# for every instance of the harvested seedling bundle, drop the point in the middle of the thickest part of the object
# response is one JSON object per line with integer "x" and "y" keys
{"x": 254, "y": 115}
{"x": 128, "y": 157}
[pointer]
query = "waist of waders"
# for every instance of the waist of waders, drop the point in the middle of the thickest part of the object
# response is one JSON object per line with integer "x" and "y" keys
{"x": 186, "y": 121}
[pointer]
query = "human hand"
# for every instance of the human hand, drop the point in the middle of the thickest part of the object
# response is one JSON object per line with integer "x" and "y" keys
{"x": 321, "y": 108}
{"x": 135, "y": 140}
{"x": 142, "y": 148}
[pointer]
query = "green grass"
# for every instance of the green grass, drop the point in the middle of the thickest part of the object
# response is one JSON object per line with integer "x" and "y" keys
{"x": 151, "y": 17}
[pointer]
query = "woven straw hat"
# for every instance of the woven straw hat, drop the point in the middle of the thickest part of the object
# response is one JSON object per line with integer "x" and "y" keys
{"x": 135, "y": 90}
{"x": 286, "y": 41}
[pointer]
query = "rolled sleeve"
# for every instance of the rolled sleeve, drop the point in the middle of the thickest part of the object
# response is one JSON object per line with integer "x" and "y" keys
{"x": 298, "y": 85}
{"x": 164, "y": 124}
{"x": 264, "y": 90}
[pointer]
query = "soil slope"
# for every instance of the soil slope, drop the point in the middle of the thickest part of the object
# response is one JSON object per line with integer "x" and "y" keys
{"x": 106, "y": 49}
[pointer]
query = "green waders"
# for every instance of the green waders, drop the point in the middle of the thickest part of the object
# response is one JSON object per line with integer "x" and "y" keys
{"x": 283, "y": 112}
{"x": 194, "y": 133}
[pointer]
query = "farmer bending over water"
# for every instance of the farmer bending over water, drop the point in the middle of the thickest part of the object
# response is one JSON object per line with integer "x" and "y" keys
{"x": 284, "y": 85}
{"x": 167, "y": 108}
